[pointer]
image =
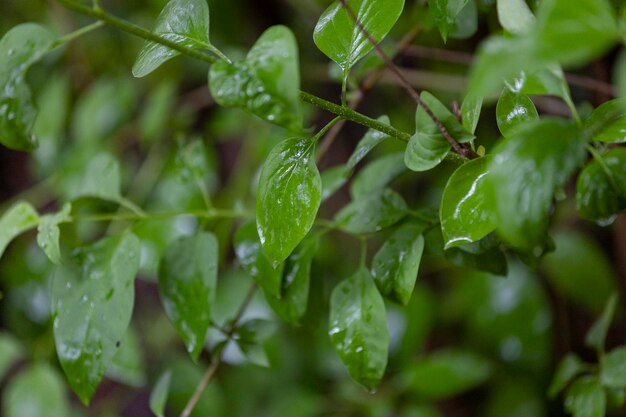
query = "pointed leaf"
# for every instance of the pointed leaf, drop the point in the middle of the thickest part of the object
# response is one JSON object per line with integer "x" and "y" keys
{"x": 377, "y": 175}
{"x": 444, "y": 13}
{"x": 92, "y": 302}
{"x": 596, "y": 336}
{"x": 570, "y": 367}
{"x": 371, "y": 139}
{"x": 358, "y": 328}
{"x": 48, "y": 232}
{"x": 20, "y": 47}
{"x": 607, "y": 123}
{"x": 187, "y": 280}
{"x": 515, "y": 16}
{"x": 586, "y": 398}
{"x": 373, "y": 213}
{"x": 289, "y": 195}
{"x": 470, "y": 111}
{"x": 159, "y": 394}
{"x": 513, "y": 110}
{"x": 339, "y": 37}
{"x": 19, "y": 218}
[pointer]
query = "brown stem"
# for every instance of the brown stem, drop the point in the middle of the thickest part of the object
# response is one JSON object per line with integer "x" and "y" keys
{"x": 456, "y": 146}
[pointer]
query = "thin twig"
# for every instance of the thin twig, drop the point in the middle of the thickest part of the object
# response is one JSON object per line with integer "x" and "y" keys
{"x": 456, "y": 146}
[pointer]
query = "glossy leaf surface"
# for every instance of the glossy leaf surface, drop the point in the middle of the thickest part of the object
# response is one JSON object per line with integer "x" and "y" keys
{"x": 267, "y": 84}
{"x": 373, "y": 213}
{"x": 92, "y": 302}
{"x": 513, "y": 110}
{"x": 289, "y": 195}
{"x": 358, "y": 328}
{"x": 586, "y": 398}
{"x": 48, "y": 232}
{"x": 464, "y": 213}
{"x": 339, "y": 38}
{"x": 377, "y": 175}
{"x": 20, "y": 47}
{"x": 397, "y": 262}
{"x": 525, "y": 172}
{"x": 19, "y": 218}
{"x": 607, "y": 123}
{"x": 187, "y": 280}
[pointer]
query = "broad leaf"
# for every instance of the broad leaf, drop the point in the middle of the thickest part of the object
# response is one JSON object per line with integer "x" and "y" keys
{"x": 48, "y": 232}
{"x": 267, "y": 84}
{"x": 20, "y": 47}
{"x": 158, "y": 396}
{"x": 184, "y": 22}
{"x": 513, "y": 110}
{"x": 377, "y": 175}
{"x": 464, "y": 213}
{"x": 525, "y": 171}
{"x": 253, "y": 261}
{"x": 613, "y": 369}
{"x": 596, "y": 336}
{"x": 396, "y": 263}
{"x": 445, "y": 12}
{"x": 373, "y": 213}
{"x": 515, "y": 16}
{"x": 187, "y": 280}
{"x": 340, "y": 38}
{"x": 570, "y": 367}
{"x": 601, "y": 187}
{"x": 92, "y": 302}
{"x": 371, "y": 139}
{"x": 127, "y": 366}
{"x": 37, "y": 391}
{"x": 586, "y": 398}
{"x": 427, "y": 148}
{"x": 470, "y": 111}
{"x": 358, "y": 328}
{"x": 19, "y": 218}
{"x": 607, "y": 123}
{"x": 289, "y": 195}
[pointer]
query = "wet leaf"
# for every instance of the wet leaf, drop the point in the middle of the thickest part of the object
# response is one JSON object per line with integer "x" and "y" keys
{"x": 159, "y": 394}
{"x": 92, "y": 302}
{"x": 187, "y": 281}
{"x": 358, "y": 328}
{"x": 48, "y": 232}
{"x": 470, "y": 111}
{"x": 607, "y": 123}
{"x": 586, "y": 398}
{"x": 289, "y": 195}
{"x": 19, "y": 218}
{"x": 445, "y": 14}
{"x": 513, "y": 110}
{"x": 373, "y": 213}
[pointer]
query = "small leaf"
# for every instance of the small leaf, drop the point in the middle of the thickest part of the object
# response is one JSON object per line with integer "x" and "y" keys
{"x": 187, "y": 280}
{"x": 184, "y": 22}
{"x": 101, "y": 180}
{"x": 159, "y": 394}
{"x": 570, "y": 367}
{"x": 340, "y": 38}
{"x": 596, "y": 336}
{"x": 10, "y": 351}
{"x": 20, "y": 47}
{"x": 267, "y": 84}
{"x": 427, "y": 147}
{"x": 19, "y": 218}
{"x": 470, "y": 111}
{"x": 48, "y": 232}
{"x": 37, "y": 391}
{"x": 373, "y": 213}
{"x": 445, "y": 13}
{"x": 464, "y": 214}
{"x": 377, "y": 175}
{"x": 289, "y": 195}
{"x": 513, "y": 110}
{"x": 515, "y": 16}
{"x": 253, "y": 261}
{"x": 395, "y": 265}
{"x": 371, "y": 139}
{"x": 92, "y": 302}
{"x": 607, "y": 123}
{"x": 358, "y": 328}
{"x": 586, "y": 398}
{"x": 613, "y": 369}
{"x": 525, "y": 171}
{"x": 127, "y": 366}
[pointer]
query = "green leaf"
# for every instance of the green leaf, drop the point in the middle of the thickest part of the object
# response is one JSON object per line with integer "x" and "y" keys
{"x": 293, "y": 302}
{"x": 332, "y": 180}
{"x": 371, "y": 139}
{"x": 267, "y": 84}
{"x": 613, "y": 369}
{"x": 470, "y": 111}
{"x": 525, "y": 171}
{"x": 373, "y": 213}
{"x": 570, "y": 367}
{"x": 339, "y": 38}
{"x": 377, "y": 175}
{"x": 37, "y": 391}
{"x": 358, "y": 328}
{"x": 253, "y": 261}
{"x": 101, "y": 180}
{"x": 580, "y": 271}
{"x": 127, "y": 366}
{"x": 20, "y": 48}
{"x": 397, "y": 262}
{"x": 92, "y": 302}
{"x": 20, "y": 217}
{"x": 607, "y": 123}
{"x": 289, "y": 195}
{"x": 10, "y": 351}
{"x": 586, "y": 398}
{"x": 464, "y": 213}
{"x": 601, "y": 187}
{"x": 159, "y": 394}
{"x": 184, "y": 22}
{"x": 515, "y": 16}
{"x": 256, "y": 330}
{"x": 48, "y": 232}
{"x": 445, "y": 13}
{"x": 427, "y": 147}
{"x": 513, "y": 110}
{"x": 187, "y": 281}
{"x": 447, "y": 373}
{"x": 596, "y": 336}
{"x": 466, "y": 22}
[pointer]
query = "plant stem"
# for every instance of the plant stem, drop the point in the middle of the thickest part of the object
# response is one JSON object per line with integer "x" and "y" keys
{"x": 206, "y": 214}
{"x": 76, "y": 34}
{"x": 325, "y": 129}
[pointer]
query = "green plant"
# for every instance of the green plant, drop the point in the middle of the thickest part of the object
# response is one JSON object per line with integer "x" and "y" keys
{"x": 488, "y": 206}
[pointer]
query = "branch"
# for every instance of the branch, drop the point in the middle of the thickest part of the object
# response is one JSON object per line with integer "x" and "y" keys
{"x": 456, "y": 146}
